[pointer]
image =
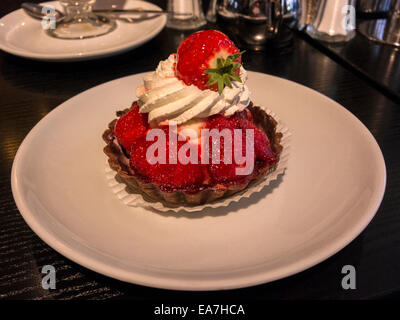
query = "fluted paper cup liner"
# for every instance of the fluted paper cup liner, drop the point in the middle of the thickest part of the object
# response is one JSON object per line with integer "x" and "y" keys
{"x": 134, "y": 198}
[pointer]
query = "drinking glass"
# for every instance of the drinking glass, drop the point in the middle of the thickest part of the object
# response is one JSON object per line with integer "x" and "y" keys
{"x": 80, "y": 22}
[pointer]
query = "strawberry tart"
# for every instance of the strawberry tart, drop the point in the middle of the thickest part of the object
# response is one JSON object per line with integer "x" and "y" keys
{"x": 193, "y": 135}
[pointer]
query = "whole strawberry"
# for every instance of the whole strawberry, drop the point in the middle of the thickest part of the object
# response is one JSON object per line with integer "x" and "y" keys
{"x": 209, "y": 60}
{"x": 131, "y": 126}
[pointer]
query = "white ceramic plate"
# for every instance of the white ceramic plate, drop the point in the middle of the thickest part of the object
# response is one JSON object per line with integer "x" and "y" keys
{"x": 23, "y": 36}
{"x": 332, "y": 188}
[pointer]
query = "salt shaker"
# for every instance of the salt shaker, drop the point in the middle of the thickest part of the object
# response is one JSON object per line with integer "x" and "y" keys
{"x": 334, "y": 21}
{"x": 185, "y": 14}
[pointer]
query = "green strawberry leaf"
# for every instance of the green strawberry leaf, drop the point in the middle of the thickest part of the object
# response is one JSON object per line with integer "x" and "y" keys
{"x": 214, "y": 79}
{"x": 233, "y": 57}
{"x": 210, "y": 71}
{"x": 220, "y": 85}
{"x": 224, "y": 72}
{"x": 227, "y": 81}
{"x": 235, "y": 77}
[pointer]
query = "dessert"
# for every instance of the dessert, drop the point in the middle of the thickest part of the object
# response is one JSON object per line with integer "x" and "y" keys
{"x": 193, "y": 135}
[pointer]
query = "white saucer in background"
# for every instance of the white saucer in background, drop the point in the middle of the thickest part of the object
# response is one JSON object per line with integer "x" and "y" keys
{"x": 23, "y": 36}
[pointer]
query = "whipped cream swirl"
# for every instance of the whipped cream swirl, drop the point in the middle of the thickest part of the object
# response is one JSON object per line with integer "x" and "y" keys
{"x": 166, "y": 98}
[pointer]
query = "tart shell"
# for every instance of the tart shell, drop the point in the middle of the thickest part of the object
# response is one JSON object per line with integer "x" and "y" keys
{"x": 119, "y": 161}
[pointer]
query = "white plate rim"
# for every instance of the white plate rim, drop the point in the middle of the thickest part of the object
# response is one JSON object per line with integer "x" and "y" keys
{"x": 85, "y": 56}
{"x": 195, "y": 285}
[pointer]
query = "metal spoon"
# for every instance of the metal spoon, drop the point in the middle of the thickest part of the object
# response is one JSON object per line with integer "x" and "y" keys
{"x": 35, "y": 11}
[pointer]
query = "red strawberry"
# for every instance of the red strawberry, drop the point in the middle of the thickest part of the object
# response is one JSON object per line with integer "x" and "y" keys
{"x": 224, "y": 171}
{"x": 175, "y": 176}
{"x": 168, "y": 175}
{"x": 188, "y": 174}
{"x": 262, "y": 147}
{"x": 220, "y": 122}
{"x": 239, "y": 120}
{"x": 262, "y": 150}
{"x": 209, "y": 60}
{"x": 131, "y": 126}
{"x": 244, "y": 120}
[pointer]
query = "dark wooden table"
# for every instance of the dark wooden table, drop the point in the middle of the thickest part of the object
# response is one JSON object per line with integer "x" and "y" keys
{"x": 31, "y": 89}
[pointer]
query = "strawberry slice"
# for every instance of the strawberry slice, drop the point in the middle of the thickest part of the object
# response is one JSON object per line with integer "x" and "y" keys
{"x": 131, "y": 126}
{"x": 209, "y": 60}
